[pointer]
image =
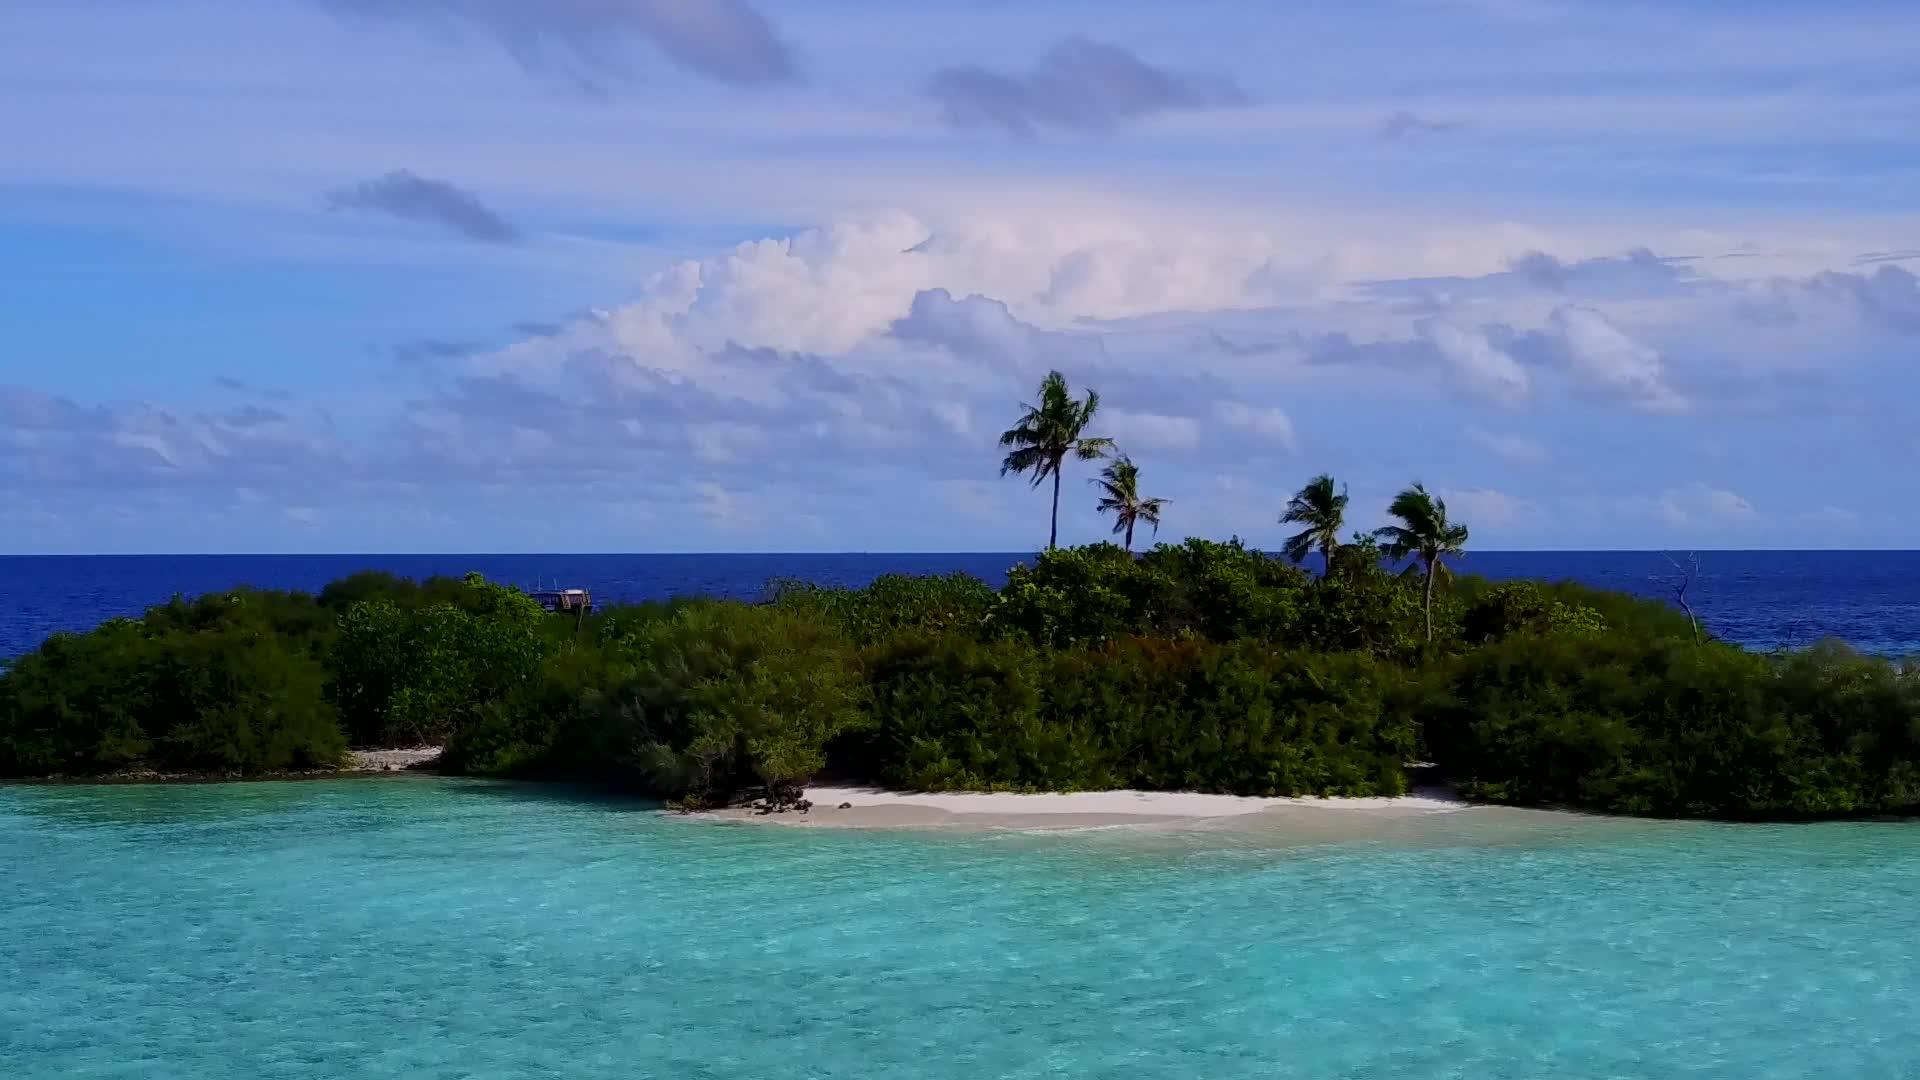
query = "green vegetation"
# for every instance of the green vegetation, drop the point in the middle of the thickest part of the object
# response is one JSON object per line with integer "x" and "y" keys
{"x": 227, "y": 683}
{"x": 1322, "y": 513}
{"x": 1424, "y": 533}
{"x": 1199, "y": 665}
{"x": 1120, "y": 496}
{"x": 1048, "y": 430}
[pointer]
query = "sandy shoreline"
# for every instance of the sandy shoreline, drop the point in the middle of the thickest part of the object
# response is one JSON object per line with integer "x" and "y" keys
{"x": 875, "y": 808}
{"x": 363, "y": 761}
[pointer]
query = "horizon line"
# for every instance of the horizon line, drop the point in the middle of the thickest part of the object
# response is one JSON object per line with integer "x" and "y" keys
{"x": 872, "y": 552}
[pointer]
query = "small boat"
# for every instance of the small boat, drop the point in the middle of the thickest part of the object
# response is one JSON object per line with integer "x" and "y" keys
{"x": 564, "y": 600}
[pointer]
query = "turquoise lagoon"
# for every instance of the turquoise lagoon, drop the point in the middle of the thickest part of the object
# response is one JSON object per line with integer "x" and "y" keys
{"x": 435, "y": 928}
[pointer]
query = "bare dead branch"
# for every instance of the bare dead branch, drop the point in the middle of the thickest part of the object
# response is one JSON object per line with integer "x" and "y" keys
{"x": 1685, "y": 575}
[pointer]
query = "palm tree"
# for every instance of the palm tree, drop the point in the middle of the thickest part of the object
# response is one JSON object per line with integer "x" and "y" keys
{"x": 1050, "y": 429}
{"x": 1323, "y": 511}
{"x": 1424, "y": 531}
{"x": 1119, "y": 486}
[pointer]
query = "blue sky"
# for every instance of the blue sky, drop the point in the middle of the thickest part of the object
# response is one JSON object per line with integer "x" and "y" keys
{"x": 667, "y": 275}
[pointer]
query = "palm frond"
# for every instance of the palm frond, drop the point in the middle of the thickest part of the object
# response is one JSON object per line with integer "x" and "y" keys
{"x": 1024, "y": 433}
{"x": 1092, "y": 449}
{"x": 1020, "y": 460}
{"x": 1396, "y": 541}
{"x": 1299, "y": 546}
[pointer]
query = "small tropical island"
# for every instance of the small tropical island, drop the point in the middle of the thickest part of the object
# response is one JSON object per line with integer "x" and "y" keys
{"x": 1324, "y": 670}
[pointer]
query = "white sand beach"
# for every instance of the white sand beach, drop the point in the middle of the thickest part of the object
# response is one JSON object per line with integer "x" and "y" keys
{"x": 875, "y": 808}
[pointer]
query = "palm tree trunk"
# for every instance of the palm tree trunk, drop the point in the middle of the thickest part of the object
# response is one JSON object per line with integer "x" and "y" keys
{"x": 1053, "y": 529}
{"x": 1431, "y": 567}
{"x": 1129, "y": 536}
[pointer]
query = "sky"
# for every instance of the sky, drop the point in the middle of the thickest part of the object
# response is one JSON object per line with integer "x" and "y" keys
{"x": 773, "y": 275}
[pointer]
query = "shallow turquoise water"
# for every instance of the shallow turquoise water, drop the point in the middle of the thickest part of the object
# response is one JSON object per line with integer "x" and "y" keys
{"x": 427, "y": 928}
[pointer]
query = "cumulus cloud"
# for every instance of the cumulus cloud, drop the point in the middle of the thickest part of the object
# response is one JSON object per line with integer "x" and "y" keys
{"x": 1078, "y": 85}
{"x": 1605, "y": 359}
{"x": 1889, "y": 297}
{"x": 821, "y": 290}
{"x": 982, "y": 327}
{"x": 1885, "y": 299}
{"x": 1482, "y": 366}
{"x": 47, "y": 440}
{"x": 401, "y": 194}
{"x": 880, "y": 351}
{"x": 1505, "y": 365}
{"x": 586, "y": 40}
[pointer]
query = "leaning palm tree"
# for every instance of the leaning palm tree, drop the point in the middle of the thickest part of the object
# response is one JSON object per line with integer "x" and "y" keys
{"x": 1119, "y": 485}
{"x": 1050, "y": 429}
{"x": 1323, "y": 511}
{"x": 1425, "y": 532}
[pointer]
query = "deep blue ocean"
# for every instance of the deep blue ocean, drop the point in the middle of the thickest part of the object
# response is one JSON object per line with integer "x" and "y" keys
{"x": 1761, "y": 599}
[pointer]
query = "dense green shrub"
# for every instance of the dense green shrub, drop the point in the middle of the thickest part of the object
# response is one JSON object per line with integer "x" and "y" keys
{"x": 221, "y": 696}
{"x": 726, "y": 695}
{"x": 894, "y": 604}
{"x": 553, "y": 724}
{"x": 412, "y": 677}
{"x": 1222, "y": 592}
{"x": 292, "y": 617}
{"x": 1100, "y": 593}
{"x": 1075, "y": 596}
{"x": 1360, "y": 607}
{"x": 1667, "y": 727}
{"x": 1523, "y": 607}
{"x": 696, "y": 705}
{"x": 955, "y": 714}
{"x": 1246, "y": 718}
{"x": 411, "y": 595}
{"x": 1623, "y": 613}
{"x": 1243, "y": 718}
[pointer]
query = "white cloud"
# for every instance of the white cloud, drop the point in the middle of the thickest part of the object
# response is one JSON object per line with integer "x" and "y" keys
{"x": 956, "y": 416}
{"x": 1602, "y": 356}
{"x": 824, "y": 290}
{"x": 726, "y": 442}
{"x": 1485, "y": 368}
{"x": 1484, "y": 506}
{"x": 885, "y": 350}
{"x": 1515, "y": 449}
{"x": 1268, "y": 422}
{"x": 721, "y": 507}
{"x": 1151, "y": 430}
{"x": 1698, "y": 505}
